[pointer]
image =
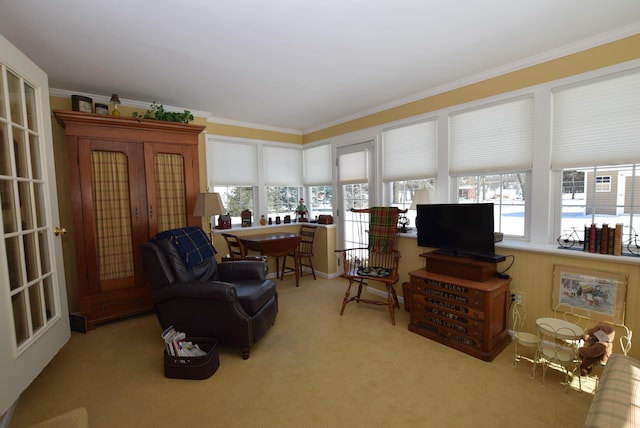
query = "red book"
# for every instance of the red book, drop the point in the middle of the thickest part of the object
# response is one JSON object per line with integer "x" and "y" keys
{"x": 592, "y": 238}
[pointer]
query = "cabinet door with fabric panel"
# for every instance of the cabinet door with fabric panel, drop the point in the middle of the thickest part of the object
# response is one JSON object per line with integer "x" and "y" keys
{"x": 127, "y": 181}
{"x": 172, "y": 181}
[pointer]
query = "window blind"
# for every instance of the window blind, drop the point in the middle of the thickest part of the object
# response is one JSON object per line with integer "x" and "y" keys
{"x": 597, "y": 123}
{"x": 282, "y": 166}
{"x": 352, "y": 167}
{"x": 317, "y": 165}
{"x": 409, "y": 152}
{"x": 232, "y": 163}
{"x": 495, "y": 138}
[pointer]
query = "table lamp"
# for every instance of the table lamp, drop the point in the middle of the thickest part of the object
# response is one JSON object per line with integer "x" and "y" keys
{"x": 208, "y": 205}
{"x": 420, "y": 197}
{"x": 115, "y": 100}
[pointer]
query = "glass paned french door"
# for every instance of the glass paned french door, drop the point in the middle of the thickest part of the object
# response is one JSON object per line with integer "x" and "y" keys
{"x": 34, "y": 323}
{"x": 24, "y": 219}
{"x": 354, "y": 177}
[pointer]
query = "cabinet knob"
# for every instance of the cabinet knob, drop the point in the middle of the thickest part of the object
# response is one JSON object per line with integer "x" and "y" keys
{"x": 60, "y": 231}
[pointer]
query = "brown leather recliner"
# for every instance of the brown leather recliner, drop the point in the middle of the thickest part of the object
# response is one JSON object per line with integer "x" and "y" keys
{"x": 232, "y": 302}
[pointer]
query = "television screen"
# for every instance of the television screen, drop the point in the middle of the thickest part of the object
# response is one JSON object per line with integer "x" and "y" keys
{"x": 465, "y": 230}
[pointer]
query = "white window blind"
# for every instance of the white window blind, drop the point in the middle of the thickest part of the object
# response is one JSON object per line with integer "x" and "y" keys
{"x": 232, "y": 163}
{"x": 282, "y": 166}
{"x": 597, "y": 123}
{"x": 410, "y": 152}
{"x": 317, "y": 165}
{"x": 495, "y": 138}
{"x": 352, "y": 167}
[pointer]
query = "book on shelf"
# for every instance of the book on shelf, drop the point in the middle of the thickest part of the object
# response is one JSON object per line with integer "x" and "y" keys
{"x": 617, "y": 242}
{"x": 587, "y": 237}
{"x": 604, "y": 239}
{"x": 592, "y": 238}
{"x": 597, "y": 240}
{"x": 611, "y": 240}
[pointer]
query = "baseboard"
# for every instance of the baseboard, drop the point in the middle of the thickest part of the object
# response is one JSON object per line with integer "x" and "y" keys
{"x": 323, "y": 275}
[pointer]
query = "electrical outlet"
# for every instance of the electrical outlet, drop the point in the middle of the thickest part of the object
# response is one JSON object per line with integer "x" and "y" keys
{"x": 517, "y": 297}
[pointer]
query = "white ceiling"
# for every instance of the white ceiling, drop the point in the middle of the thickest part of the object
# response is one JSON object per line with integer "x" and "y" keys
{"x": 297, "y": 64}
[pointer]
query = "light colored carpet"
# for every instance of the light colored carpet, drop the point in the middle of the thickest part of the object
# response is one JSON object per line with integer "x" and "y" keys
{"x": 314, "y": 368}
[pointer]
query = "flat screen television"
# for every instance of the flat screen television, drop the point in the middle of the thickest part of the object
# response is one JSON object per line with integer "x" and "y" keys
{"x": 463, "y": 230}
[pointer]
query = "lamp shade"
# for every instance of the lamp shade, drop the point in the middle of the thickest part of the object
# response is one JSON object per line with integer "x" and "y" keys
{"x": 419, "y": 198}
{"x": 115, "y": 99}
{"x": 208, "y": 204}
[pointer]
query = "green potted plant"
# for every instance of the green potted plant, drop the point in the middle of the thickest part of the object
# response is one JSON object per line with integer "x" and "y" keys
{"x": 157, "y": 112}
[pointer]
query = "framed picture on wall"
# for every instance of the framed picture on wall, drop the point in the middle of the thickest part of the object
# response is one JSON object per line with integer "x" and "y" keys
{"x": 602, "y": 293}
{"x": 80, "y": 103}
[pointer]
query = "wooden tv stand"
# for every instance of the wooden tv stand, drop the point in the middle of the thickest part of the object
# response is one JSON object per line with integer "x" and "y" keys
{"x": 465, "y": 314}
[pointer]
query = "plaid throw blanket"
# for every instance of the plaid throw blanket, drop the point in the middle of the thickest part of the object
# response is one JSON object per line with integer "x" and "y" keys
{"x": 383, "y": 225}
{"x": 191, "y": 242}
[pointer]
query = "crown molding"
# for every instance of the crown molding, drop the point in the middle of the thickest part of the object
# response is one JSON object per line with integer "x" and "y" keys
{"x": 239, "y": 123}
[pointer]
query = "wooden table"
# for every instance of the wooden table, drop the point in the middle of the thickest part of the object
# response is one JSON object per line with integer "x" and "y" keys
{"x": 275, "y": 245}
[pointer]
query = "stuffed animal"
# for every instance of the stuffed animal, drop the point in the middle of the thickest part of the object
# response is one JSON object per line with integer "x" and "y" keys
{"x": 598, "y": 346}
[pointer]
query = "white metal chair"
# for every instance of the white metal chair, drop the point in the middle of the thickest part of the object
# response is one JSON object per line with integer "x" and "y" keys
{"x": 523, "y": 339}
{"x": 556, "y": 349}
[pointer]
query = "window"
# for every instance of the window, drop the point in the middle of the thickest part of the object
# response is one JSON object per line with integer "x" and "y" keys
{"x": 320, "y": 201}
{"x": 409, "y": 163}
{"x": 317, "y": 178}
{"x": 407, "y": 194}
{"x": 487, "y": 145}
{"x": 232, "y": 168}
{"x": 494, "y": 138}
{"x": 282, "y": 176}
{"x": 236, "y": 199}
{"x": 505, "y": 191}
{"x": 595, "y": 133}
{"x": 282, "y": 201}
{"x": 603, "y": 183}
{"x": 591, "y": 202}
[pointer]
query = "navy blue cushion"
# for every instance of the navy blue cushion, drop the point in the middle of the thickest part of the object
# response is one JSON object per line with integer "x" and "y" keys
{"x": 192, "y": 244}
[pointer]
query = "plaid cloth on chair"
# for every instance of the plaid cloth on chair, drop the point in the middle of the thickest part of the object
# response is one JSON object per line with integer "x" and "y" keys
{"x": 383, "y": 225}
{"x": 191, "y": 242}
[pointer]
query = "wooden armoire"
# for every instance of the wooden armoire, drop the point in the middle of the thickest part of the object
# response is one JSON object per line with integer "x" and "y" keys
{"x": 128, "y": 180}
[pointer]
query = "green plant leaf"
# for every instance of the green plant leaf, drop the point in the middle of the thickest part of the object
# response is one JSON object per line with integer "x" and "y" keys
{"x": 157, "y": 112}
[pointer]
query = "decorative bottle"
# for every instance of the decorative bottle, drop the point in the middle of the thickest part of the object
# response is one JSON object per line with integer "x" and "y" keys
{"x": 263, "y": 220}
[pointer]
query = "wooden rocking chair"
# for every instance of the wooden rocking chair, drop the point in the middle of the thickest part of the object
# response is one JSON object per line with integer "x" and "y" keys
{"x": 377, "y": 228}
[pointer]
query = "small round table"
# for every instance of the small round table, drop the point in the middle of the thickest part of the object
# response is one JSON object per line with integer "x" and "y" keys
{"x": 562, "y": 329}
